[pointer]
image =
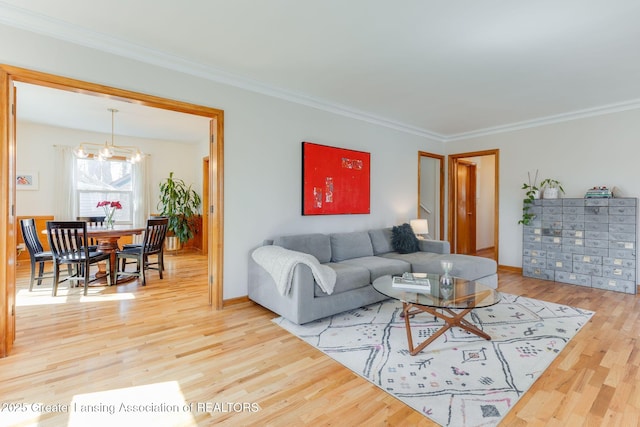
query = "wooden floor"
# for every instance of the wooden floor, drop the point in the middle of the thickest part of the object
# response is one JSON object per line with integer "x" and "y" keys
{"x": 164, "y": 344}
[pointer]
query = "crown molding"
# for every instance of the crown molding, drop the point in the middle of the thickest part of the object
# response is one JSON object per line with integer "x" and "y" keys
{"x": 548, "y": 120}
{"x": 36, "y": 23}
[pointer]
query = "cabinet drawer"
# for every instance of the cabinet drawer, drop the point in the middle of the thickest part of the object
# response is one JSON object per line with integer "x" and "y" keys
{"x": 596, "y": 202}
{"x": 629, "y": 201}
{"x": 614, "y": 285}
{"x": 573, "y": 278}
{"x": 619, "y": 262}
{"x": 587, "y": 268}
{"x": 588, "y": 259}
{"x": 621, "y": 245}
{"x": 572, "y": 203}
{"x": 619, "y": 273}
{"x": 534, "y": 253}
{"x": 622, "y": 210}
{"x": 538, "y": 273}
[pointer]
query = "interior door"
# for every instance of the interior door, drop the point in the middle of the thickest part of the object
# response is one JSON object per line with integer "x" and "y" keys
{"x": 466, "y": 208}
{"x": 486, "y": 202}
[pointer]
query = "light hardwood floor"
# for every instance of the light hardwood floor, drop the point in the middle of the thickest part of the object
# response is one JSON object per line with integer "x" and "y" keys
{"x": 164, "y": 343}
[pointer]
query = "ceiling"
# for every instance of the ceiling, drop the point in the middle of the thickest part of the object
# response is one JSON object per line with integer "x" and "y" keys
{"x": 55, "y": 107}
{"x": 443, "y": 69}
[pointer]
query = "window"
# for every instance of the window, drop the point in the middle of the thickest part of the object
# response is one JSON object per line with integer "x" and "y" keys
{"x": 99, "y": 180}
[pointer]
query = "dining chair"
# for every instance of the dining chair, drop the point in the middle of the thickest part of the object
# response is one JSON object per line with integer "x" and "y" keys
{"x": 152, "y": 244}
{"x": 92, "y": 221}
{"x": 136, "y": 245}
{"x": 66, "y": 239}
{"x": 37, "y": 254}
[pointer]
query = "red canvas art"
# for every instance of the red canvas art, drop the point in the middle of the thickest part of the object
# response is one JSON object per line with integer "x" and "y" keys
{"x": 335, "y": 180}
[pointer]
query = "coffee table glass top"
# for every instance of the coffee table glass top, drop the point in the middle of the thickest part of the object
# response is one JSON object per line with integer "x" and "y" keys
{"x": 461, "y": 293}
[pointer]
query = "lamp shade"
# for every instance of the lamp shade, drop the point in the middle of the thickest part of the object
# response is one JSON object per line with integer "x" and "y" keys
{"x": 420, "y": 226}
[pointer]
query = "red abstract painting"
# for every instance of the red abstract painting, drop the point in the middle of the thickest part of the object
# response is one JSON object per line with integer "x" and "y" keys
{"x": 334, "y": 180}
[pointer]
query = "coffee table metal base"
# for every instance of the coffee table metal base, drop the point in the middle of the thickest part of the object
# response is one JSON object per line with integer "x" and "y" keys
{"x": 451, "y": 320}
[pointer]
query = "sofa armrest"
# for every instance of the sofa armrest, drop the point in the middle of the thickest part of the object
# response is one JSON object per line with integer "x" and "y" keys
{"x": 435, "y": 246}
{"x": 263, "y": 290}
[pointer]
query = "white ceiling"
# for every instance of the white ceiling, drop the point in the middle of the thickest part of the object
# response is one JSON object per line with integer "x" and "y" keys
{"x": 446, "y": 69}
{"x": 54, "y": 107}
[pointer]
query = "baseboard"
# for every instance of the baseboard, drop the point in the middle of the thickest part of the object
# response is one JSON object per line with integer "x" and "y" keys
{"x": 510, "y": 269}
{"x": 234, "y": 301}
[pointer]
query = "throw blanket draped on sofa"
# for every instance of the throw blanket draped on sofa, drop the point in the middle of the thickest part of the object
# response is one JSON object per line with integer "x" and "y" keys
{"x": 280, "y": 262}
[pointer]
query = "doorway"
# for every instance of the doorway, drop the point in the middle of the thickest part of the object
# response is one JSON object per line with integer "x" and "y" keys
{"x": 473, "y": 203}
{"x": 8, "y": 76}
{"x": 431, "y": 192}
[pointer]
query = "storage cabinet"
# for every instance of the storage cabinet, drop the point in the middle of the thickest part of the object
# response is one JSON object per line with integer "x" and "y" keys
{"x": 584, "y": 242}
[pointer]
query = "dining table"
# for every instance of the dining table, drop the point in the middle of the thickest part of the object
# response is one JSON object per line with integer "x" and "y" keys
{"x": 107, "y": 241}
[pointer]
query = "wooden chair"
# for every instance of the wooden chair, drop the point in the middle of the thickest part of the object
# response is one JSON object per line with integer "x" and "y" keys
{"x": 92, "y": 221}
{"x": 136, "y": 245}
{"x": 66, "y": 239}
{"x": 37, "y": 254}
{"x": 152, "y": 244}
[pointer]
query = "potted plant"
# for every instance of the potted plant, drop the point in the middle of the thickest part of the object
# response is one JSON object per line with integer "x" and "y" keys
{"x": 179, "y": 203}
{"x": 551, "y": 188}
{"x": 531, "y": 193}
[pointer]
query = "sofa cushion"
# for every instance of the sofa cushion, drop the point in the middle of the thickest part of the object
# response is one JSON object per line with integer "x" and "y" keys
{"x": 404, "y": 239}
{"x": 381, "y": 240}
{"x": 379, "y": 266}
{"x": 315, "y": 244}
{"x": 350, "y": 245}
{"x": 348, "y": 277}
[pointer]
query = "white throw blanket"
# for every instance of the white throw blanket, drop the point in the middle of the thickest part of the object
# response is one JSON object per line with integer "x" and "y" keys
{"x": 280, "y": 262}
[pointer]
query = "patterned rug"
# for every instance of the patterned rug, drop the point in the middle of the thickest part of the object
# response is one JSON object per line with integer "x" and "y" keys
{"x": 459, "y": 379}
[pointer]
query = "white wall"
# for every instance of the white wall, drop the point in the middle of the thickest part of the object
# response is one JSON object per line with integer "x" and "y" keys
{"x": 582, "y": 153}
{"x": 35, "y": 150}
{"x": 263, "y": 138}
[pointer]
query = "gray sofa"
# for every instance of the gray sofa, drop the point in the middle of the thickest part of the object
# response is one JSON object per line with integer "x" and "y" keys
{"x": 358, "y": 258}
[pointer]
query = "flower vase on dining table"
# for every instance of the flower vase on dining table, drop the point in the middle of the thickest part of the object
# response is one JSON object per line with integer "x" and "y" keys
{"x": 109, "y": 211}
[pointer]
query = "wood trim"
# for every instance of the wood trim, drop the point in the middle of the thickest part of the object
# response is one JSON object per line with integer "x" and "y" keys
{"x": 9, "y": 74}
{"x": 234, "y": 301}
{"x": 442, "y": 179}
{"x": 204, "y": 230}
{"x": 216, "y": 217}
{"x": 511, "y": 269}
{"x": 452, "y": 171}
{"x": 7, "y": 220}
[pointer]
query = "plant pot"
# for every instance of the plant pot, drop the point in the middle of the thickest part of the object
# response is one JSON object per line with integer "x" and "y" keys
{"x": 172, "y": 243}
{"x": 550, "y": 193}
{"x": 536, "y": 194}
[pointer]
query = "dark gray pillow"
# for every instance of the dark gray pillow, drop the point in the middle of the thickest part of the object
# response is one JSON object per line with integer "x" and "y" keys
{"x": 404, "y": 240}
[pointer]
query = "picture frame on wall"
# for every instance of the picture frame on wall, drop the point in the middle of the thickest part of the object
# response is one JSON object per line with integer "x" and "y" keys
{"x": 335, "y": 181}
{"x": 27, "y": 180}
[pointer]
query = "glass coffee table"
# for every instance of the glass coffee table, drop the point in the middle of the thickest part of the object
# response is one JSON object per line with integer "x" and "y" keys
{"x": 438, "y": 300}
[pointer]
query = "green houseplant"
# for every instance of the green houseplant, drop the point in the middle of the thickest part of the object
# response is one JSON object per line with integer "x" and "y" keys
{"x": 551, "y": 188}
{"x": 532, "y": 192}
{"x": 180, "y": 203}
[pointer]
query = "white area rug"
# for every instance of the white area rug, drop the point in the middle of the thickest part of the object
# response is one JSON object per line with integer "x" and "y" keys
{"x": 459, "y": 379}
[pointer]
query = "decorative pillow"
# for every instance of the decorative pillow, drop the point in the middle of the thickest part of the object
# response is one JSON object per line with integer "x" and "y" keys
{"x": 404, "y": 240}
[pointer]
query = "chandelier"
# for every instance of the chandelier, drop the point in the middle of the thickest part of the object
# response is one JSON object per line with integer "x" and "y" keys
{"x": 108, "y": 150}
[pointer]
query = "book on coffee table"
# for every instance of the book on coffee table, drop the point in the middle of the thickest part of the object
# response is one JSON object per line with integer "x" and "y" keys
{"x": 415, "y": 284}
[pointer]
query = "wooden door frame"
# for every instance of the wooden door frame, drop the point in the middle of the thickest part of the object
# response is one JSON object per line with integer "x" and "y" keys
{"x": 440, "y": 160}
{"x": 470, "y": 202}
{"x": 452, "y": 173}
{"x": 10, "y": 74}
{"x": 204, "y": 245}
